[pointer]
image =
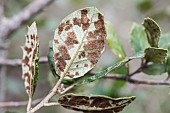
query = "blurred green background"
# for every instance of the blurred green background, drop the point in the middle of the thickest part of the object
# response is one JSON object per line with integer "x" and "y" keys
{"x": 122, "y": 14}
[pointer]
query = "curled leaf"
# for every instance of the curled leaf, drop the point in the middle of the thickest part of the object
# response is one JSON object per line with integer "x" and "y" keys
{"x": 79, "y": 42}
{"x": 155, "y": 55}
{"x": 30, "y": 60}
{"x": 153, "y": 31}
{"x": 94, "y": 104}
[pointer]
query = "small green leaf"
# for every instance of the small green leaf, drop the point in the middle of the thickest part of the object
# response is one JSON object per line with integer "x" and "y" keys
{"x": 51, "y": 60}
{"x": 114, "y": 42}
{"x": 155, "y": 55}
{"x": 112, "y": 68}
{"x": 154, "y": 69}
{"x": 138, "y": 38}
{"x": 94, "y": 104}
{"x": 164, "y": 41}
{"x": 153, "y": 31}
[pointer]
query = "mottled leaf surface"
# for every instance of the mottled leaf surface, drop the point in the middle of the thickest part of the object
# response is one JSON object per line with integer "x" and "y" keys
{"x": 94, "y": 104}
{"x": 114, "y": 42}
{"x": 79, "y": 42}
{"x": 113, "y": 67}
{"x": 30, "y": 60}
{"x": 138, "y": 38}
{"x": 152, "y": 31}
{"x": 155, "y": 55}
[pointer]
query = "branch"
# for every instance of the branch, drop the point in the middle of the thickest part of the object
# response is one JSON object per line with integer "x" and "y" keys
{"x": 24, "y": 15}
{"x": 1, "y": 9}
{"x": 135, "y": 81}
{"x": 17, "y": 104}
{"x": 18, "y": 62}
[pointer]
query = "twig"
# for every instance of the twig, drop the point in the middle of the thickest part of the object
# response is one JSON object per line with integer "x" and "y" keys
{"x": 29, "y": 104}
{"x": 17, "y": 62}
{"x": 17, "y": 104}
{"x": 135, "y": 81}
{"x": 52, "y": 104}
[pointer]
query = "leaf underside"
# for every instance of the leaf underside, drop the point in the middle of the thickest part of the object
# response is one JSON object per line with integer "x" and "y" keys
{"x": 94, "y": 104}
{"x": 30, "y": 60}
{"x": 79, "y": 42}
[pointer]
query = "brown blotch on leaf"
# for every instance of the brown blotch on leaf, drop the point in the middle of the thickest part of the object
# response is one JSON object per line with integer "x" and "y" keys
{"x": 64, "y": 52}
{"x": 61, "y": 64}
{"x": 100, "y": 33}
{"x": 93, "y": 57}
{"x": 26, "y": 75}
{"x": 77, "y": 66}
{"x": 77, "y": 21}
{"x": 91, "y": 36}
{"x": 77, "y": 73}
{"x": 25, "y": 60}
{"x": 94, "y": 45}
{"x": 60, "y": 28}
{"x": 56, "y": 57}
{"x": 85, "y": 65}
{"x": 81, "y": 55}
{"x": 67, "y": 22}
{"x": 101, "y": 103}
{"x": 27, "y": 49}
{"x": 67, "y": 28}
{"x": 99, "y": 24}
{"x": 56, "y": 41}
{"x": 71, "y": 39}
{"x": 84, "y": 19}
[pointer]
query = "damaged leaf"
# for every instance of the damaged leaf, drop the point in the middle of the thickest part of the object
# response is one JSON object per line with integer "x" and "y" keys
{"x": 30, "y": 60}
{"x": 153, "y": 31}
{"x": 155, "y": 55}
{"x": 95, "y": 104}
{"x": 79, "y": 42}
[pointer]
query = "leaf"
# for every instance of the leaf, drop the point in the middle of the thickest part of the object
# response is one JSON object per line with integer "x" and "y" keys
{"x": 155, "y": 55}
{"x": 164, "y": 41}
{"x": 138, "y": 38}
{"x": 153, "y": 31}
{"x": 95, "y": 104}
{"x": 114, "y": 42}
{"x": 79, "y": 42}
{"x": 30, "y": 60}
{"x": 112, "y": 68}
{"x": 154, "y": 69}
{"x": 51, "y": 60}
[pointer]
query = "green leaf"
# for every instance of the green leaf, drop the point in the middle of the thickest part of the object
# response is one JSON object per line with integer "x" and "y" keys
{"x": 94, "y": 104}
{"x": 114, "y": 42}
{"x": 123, "y": 70}
{"x": 155, "y": 55}
{"x": 164, "y": 41}
{"x": 79, "y": 42}
{"x": 51, "y": 60}
{"x": 153, "y": 31}
{"x": 30, "y": 60}
{"x": 154, "y": 69}
{"x": 138, "y": 38}
{"x": 115, "y": 66}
